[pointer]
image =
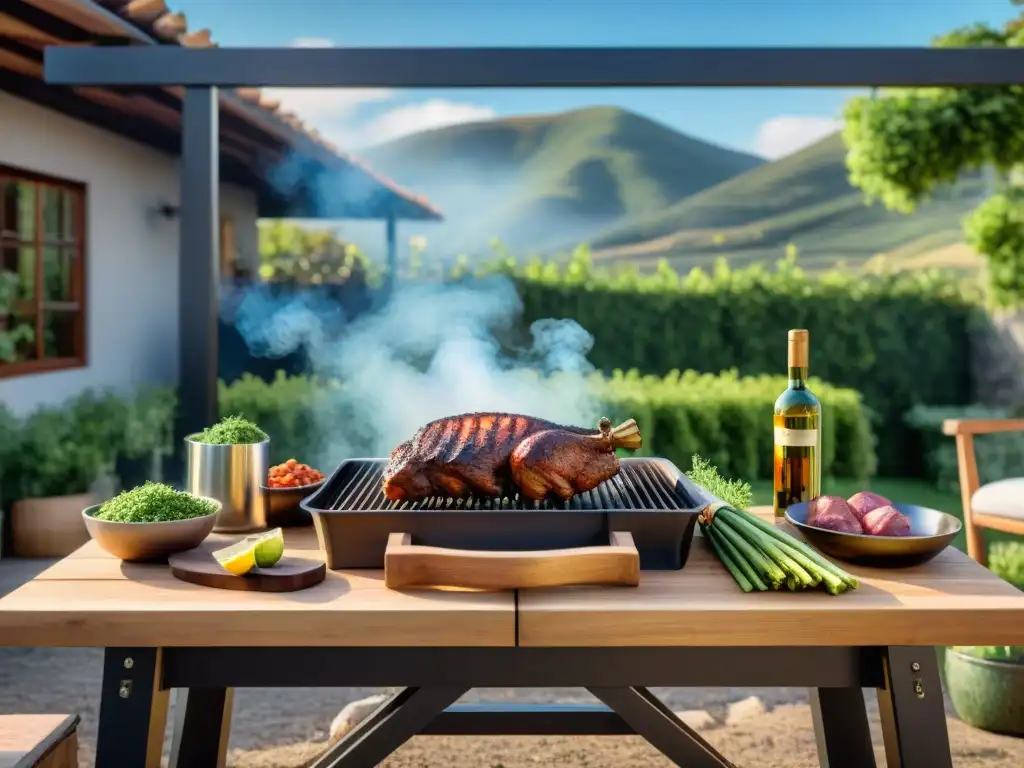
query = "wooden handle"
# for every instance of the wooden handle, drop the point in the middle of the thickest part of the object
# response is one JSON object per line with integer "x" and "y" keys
{"x": 411, "y": 565}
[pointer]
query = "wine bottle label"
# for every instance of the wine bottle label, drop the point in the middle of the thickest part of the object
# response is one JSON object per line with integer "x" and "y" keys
{"x": 796, "y": 438}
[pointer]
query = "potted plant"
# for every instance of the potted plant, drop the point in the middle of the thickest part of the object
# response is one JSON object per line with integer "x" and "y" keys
{"x": 64, "y": 454}
{"x": 986, "y": 683}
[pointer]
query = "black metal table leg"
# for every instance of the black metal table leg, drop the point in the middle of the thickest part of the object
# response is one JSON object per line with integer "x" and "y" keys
{"x": 133, "y": 709}
{"x": 841, "y": 728}
{"x": 202, "y": 725}
{"x": 392, "y": 724}
{"x": 912, "y": 710}
{"x": 650, "y": 718}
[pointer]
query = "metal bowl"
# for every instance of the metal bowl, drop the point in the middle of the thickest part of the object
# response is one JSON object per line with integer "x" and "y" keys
{"x": 283, "y": 510}
{"x": 931, "y": 532}
{"x": 135, "y": 542}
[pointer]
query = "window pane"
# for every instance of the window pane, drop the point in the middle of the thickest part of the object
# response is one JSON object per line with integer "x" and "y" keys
{"x": 52, "y": 213}
{"x": 20, "y": 260}
{"x": 21, "y": 327}
{"x": 57, "y": 273}
{"x": 69, "y": 215}
{"x": 59, "y": 334}
{"x": 19, "y": 211}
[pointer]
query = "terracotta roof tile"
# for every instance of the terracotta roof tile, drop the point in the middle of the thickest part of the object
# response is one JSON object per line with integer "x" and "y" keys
{"x": 154, "y": 18}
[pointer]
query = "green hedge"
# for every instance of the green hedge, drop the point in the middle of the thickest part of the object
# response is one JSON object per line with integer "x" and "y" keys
{"x": 999, "y": 456}
{"x": 900, "y": 340}
{"x": 725, "y": 418}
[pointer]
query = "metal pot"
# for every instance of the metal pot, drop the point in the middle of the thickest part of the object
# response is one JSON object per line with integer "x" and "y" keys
{"x": 986, "y": 694}
{"x": 232, "y": 475}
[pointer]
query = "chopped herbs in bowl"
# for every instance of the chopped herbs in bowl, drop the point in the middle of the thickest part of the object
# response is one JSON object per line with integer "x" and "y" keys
{"x": 151, "y": 522}
{"x": 231, "y": 430}
{"x": 154, "y": 503}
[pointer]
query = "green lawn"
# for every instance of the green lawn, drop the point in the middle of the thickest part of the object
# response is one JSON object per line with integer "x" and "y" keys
{"x": 899, "y": 490}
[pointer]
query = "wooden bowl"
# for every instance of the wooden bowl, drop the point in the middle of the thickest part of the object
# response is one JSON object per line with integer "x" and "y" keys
{"x": 136, "y": 542}
{"x": 931, "y": 532}
{"x": 283, "y": 510}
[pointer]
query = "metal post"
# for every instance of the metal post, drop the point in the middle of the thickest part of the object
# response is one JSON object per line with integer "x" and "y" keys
{"x": 199, "y": 260}
{"x": 392, "y": 241}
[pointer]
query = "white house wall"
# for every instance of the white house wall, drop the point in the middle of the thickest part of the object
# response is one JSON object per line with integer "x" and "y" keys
{"x": 131, "y": 254}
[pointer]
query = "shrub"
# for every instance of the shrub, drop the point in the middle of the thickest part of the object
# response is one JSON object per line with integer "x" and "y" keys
{"x": 1006, "y": 560}
{"x": 898, "y": 339}
{"x": 63, "y": 449}
{"x": 998, "y": 456}
{"x": 725, "y": 418}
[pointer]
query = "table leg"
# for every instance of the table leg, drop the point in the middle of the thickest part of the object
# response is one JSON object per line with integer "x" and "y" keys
{"x": 912, "y": 710}
{"x": 841, "y": 728}
{"x": 650, "y": 718}
{"x": 392, "y": 724}
{"x": 133, "y": 709}
{"x": 202, "y": 725}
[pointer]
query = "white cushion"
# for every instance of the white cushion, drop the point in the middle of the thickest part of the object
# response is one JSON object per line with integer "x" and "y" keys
{"x": 1003, "y": 498}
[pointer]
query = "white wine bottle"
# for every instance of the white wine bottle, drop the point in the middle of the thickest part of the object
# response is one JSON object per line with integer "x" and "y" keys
{"x": 797, "y": 432}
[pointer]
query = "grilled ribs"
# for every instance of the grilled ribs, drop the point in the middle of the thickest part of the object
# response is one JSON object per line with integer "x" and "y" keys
{"x": 498, "y": 454}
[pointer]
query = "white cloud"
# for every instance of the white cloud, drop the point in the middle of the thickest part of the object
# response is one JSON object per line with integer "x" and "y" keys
{"x": 329, "y": 110}
{"x": 332, "y": 111}
{"x": 311, "y": 42}
{"x": 421, "y": 116}
{"x": 787, "y": 134}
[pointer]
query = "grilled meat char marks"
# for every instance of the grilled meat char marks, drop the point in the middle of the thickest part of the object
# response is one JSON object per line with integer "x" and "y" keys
{"x": 469, "y": 455}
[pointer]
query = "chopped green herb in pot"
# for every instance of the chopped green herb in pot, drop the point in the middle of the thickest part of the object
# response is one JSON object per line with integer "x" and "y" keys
{"x": 154, "y": 503}
{"x": 231, "y": 430}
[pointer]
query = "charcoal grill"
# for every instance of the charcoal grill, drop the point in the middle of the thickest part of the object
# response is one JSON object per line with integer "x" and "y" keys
{"x": 650, "y": 500}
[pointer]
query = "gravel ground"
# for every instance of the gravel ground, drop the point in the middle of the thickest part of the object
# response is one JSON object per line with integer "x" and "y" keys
{"x": 781, "y": 738}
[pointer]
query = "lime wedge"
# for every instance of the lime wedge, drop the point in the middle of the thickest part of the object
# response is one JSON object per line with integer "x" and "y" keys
{"x": 269, "y": 548}
{"x": 239, "y": 558}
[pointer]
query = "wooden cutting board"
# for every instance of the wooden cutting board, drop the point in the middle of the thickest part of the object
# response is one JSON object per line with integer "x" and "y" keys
{"x": 291, "y": 574}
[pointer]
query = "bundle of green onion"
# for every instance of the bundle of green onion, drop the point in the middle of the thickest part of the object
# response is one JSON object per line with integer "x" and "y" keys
{"x": 757, "y": 554}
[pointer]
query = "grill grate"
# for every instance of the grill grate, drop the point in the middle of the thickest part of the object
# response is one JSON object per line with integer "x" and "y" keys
{"x": 641, "y": 485}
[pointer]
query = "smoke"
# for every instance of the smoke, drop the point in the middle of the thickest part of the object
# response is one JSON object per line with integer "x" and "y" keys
{"x": 432, "y": 350}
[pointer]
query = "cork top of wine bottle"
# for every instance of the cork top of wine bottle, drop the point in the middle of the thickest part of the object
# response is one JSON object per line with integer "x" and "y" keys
{"x": 799, "y": 348}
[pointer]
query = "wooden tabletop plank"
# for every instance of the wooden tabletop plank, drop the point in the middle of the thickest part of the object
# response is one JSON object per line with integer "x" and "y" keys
{"x": 93, "y": 599}
{"x": 949, "y": 601}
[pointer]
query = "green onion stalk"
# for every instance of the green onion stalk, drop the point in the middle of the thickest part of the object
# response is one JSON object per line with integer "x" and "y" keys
{"x": 758, "y": 555}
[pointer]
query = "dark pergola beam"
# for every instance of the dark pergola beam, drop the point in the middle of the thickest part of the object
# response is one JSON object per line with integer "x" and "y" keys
{"x": 535, "y": 67}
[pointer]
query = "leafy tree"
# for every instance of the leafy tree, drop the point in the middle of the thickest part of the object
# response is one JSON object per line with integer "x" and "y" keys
{"x": 906, "y": 143}
{"x": 295, "y": 254}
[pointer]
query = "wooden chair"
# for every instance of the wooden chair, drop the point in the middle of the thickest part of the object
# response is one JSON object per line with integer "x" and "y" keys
{"x": 998, "y": 505}
{"x": 39, "y": 741}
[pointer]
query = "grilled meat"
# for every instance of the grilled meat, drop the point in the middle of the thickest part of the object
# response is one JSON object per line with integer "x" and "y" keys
{"x": 564, "y": 463}
{"x": 469, "y": 455}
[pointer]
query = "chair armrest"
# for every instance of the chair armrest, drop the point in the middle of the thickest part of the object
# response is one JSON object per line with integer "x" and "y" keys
{"x": 981, "y": 426}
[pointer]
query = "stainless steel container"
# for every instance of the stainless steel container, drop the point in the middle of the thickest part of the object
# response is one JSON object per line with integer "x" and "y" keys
{"x": 232, "y": 475}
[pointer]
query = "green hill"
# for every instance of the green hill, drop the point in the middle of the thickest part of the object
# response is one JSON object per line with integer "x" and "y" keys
{"x": 805, "y": 199}
{"x": 537, "y": 182}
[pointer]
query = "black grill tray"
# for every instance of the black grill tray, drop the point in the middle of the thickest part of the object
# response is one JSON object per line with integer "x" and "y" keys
{"x": 650, "y": 498}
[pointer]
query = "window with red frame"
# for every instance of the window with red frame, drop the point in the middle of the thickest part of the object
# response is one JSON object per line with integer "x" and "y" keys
{"x": 42, "y": 273}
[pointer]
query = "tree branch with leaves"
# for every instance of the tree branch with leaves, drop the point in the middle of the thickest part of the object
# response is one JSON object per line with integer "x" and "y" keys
{"x": 904, "y": 144}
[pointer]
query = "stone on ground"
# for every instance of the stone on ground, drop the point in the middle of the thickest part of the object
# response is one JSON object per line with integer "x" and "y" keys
{"x": 352, "y": 715}
{"x": 744, "y": 710}
{"x": 696, "y": 718}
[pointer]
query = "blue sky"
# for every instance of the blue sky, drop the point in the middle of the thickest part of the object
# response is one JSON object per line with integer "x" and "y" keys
{"x": 771, "y": 122}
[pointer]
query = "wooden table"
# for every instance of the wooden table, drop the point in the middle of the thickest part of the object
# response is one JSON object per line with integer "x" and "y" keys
{"x": 688, "y": 628}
